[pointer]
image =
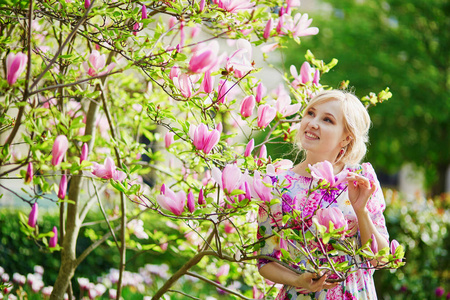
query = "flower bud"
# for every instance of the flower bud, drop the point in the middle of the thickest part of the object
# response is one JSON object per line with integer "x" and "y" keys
{"x": 201, "y": 198}
{"x": 202, "y": 5}
{"x": 54, "y": 239}
{"x": 247, "y": 106}
{"x": 249, "y": 148}
{"x": 29, "y": 175}
{"x": 59, "y": 149}
{"x": 62, "y": 187}
{"x": 374, "y": 244}
{"x": 191, "y": 202}
{"x": 168, "y": 139}
{"x": 15, "y": 65}
{"x": 84, "y": 152}
{"x": 144, "y": 12}
{"x": 268, "y": 29}
{"x": 32, "y": 218}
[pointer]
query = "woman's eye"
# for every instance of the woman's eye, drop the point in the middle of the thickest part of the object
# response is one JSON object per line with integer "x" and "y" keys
{"x": 310, "y": 113}
{"x": 328, "y": 120}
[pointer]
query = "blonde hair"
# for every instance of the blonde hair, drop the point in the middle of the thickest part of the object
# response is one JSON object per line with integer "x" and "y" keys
{"x": 356, "y": 123}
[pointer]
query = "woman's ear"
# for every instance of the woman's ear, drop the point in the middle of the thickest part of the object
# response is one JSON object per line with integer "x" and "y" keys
{"x": 346, "y": 141}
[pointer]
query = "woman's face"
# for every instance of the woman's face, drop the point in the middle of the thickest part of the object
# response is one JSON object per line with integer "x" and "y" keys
{"x": 322, "y": 130}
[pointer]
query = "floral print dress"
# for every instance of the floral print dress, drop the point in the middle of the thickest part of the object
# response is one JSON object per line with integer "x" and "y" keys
{"x": 294, "y": 188}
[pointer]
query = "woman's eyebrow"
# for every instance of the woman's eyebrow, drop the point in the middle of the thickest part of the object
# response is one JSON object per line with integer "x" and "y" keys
{"x": 331, "y": 115}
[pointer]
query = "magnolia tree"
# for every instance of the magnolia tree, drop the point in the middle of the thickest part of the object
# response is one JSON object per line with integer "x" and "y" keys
{"x": 85, "y": 81}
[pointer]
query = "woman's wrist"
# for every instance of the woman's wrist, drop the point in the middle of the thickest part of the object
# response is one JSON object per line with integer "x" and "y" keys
{"x": 364, "y": 213}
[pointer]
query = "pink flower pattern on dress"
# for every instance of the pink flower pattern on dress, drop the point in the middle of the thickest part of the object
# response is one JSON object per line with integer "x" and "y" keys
{"x": 294, "y": 188}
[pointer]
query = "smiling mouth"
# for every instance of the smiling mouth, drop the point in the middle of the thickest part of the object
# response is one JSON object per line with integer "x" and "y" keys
{"x": 311, "y": 135}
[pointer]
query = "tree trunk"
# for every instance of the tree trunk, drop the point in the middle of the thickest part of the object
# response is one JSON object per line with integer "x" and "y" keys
{"x": 68, "y": 253}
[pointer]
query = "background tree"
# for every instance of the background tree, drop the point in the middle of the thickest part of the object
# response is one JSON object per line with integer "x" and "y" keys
{"x": 402, "y": 45}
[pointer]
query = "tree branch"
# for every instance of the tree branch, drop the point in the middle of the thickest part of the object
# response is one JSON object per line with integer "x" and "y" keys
{"x": 218, "y": 285}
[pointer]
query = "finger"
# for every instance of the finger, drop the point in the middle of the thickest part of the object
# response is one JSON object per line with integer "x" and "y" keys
{"x": 330, "y": 286}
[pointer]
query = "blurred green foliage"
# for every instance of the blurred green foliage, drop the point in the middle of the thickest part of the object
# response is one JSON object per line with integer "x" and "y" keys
{"x": 402, "y": 45}
{"x": 19, "y": 254}
{"x": 422, "y": 226}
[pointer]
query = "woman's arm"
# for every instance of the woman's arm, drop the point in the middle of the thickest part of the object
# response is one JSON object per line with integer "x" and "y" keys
{"x": 308, "y": 281}
{"x": 360, "y": 189}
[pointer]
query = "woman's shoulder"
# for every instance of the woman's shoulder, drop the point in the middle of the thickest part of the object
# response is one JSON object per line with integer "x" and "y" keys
{"x": 365, "y": 169}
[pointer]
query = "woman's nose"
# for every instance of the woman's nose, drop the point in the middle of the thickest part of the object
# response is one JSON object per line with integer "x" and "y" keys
{"x": 313, "y": 123}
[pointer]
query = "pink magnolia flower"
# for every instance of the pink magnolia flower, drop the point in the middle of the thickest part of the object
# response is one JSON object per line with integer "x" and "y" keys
{"x": 260, "y": 92}
{"x": 266, "y": 114}
{"x": 297, "y": 26}
{"x": 331, "y": 214}
{"x": 15, "y": 65}
{"x": 136, "y": 227}
{"x": 207, "y": 84}
{"x": 171, "y": 201}
{"x": 136, "y": 27}
{"x": 144, "y": 12}
{"x": 316, "y": 78}
{"x": 204, "y": 139}
{"x": 29, "y": 174}
{"x": 302, "y": 26}
{"x": 268, "y": 29}
{"x": 229, "y": 179}
{"x": 59, "y": 149}
{"x": 280, "y": 24}
{"x": 195, "y": 31}
{"x": 263, "y": 152}
{"x": 247, "y": 106}
{"x": 374, "y": 244}
{"x": 202, "y": 5}
{"x": 204, "y": 59}
{"x": 184, "y": 84}
{"x": 54, "y": 239}
{"x": 324, "y": 171}
{"x": 222, "y": 91}
{"x": 108, "y": 170}
{"x": 233, "y": 6}
{"x": 84, "y": 152}
{"x": 191, "y": 202}
{"x": 62, "y": 187}
{"x": 249, "y": 148}
{"x": 172, "y": 21}
{"x": 87, "y": 3}
{"x": 284, "y": 107}
{"x": 262, "y": 155}
{"x": 174, "y": 72}
{"x": 393, "y": 247}
{"x": 305, "y": 74}
{"x": 279, "y": 166}
{"x": 262, "y": 191}
{"x": 223, "y": 270}
{"x": 245, "y": 186}
{"x": 229, "y": 228}
{"x": 219, "y": 127}
{"x": 168, "y": 139}
{"x": 96, "y": 63}
{"x": 32, "y": 218}
{"x": 241, "y": 60}
{"x": 201, "y": 198}
{"x": 270, "y": 47}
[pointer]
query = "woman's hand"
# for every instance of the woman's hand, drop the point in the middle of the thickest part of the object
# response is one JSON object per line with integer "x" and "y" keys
{"x": 310, "y": 282}
{"x": 359, "y": 191}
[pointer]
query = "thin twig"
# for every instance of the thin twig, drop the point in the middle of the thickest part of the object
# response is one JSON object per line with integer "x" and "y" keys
{"x": 218, "y": 285}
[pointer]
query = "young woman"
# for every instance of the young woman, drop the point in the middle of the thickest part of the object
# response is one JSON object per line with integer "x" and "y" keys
{"x": 334, "y": 128}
